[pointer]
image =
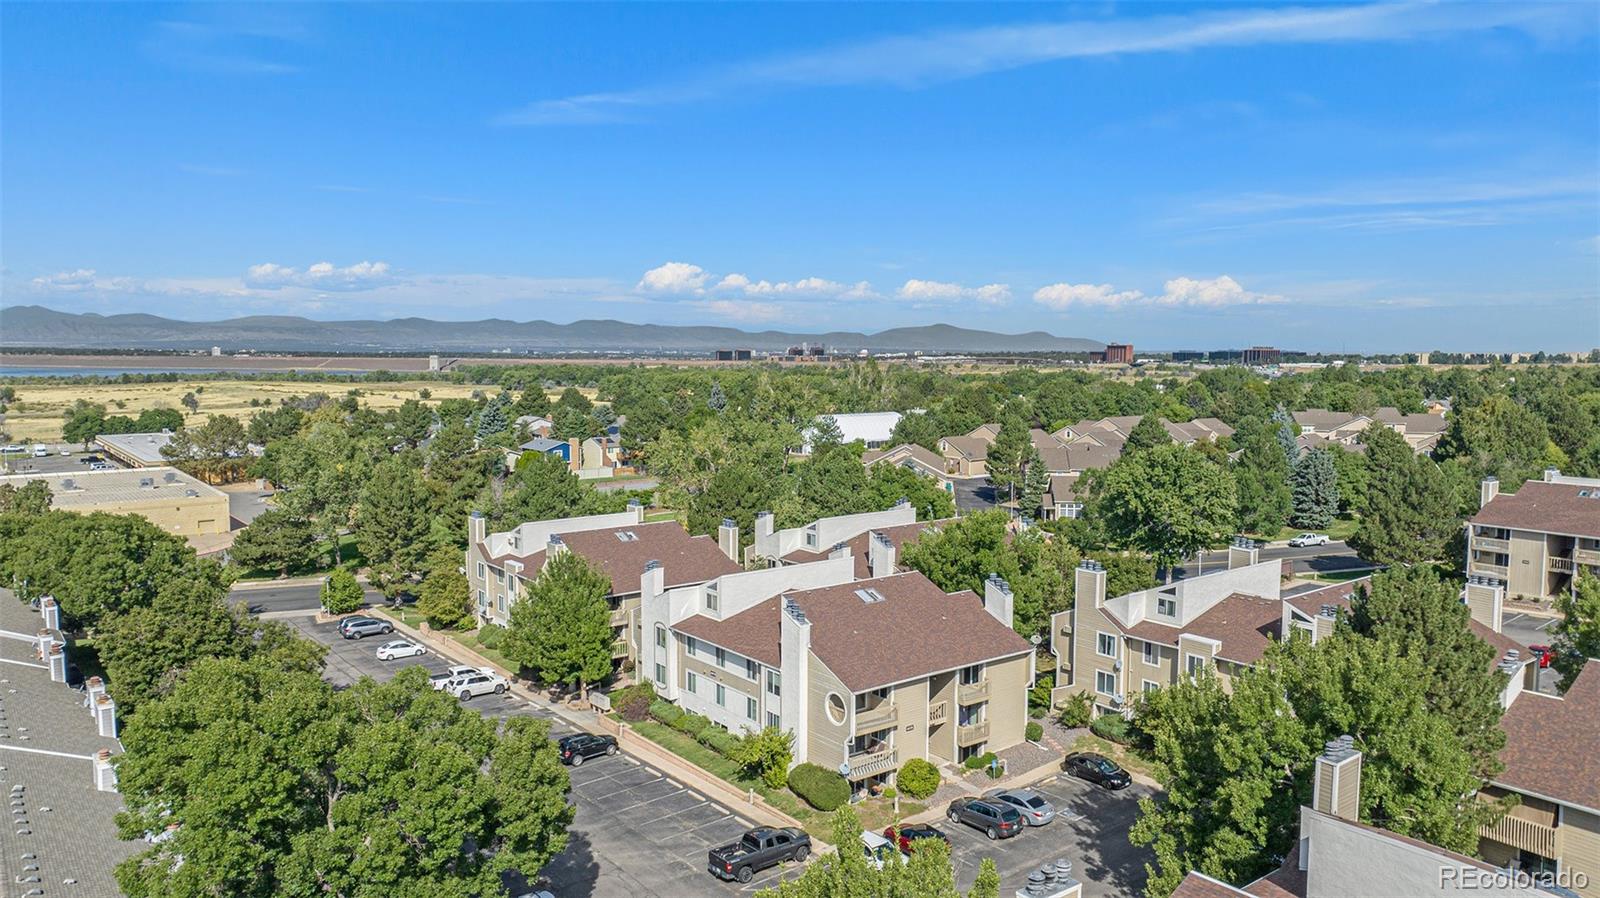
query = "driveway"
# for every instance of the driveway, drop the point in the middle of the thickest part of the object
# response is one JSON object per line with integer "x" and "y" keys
{"x": 1533, "y": 629}
{"x": 638, "y": 833}
{"x": 973, "y": 494}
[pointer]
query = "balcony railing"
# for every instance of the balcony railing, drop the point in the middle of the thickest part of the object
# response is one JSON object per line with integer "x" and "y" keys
{"x": 972, "y": 733}
{"x": 1524, "y": 834}
{"x": 873, "y": 763}
{"x": 877, "y": 717}
{"x": 969, "y": 693}
{"x": 1586, "y": 556}
{"x": 619, "y": 617}
{"x": 938, "y": 713}
{"x": 1491, "y": 544}
{"x": 619, "y": 648}
{"x": 1498, "y": 571}
{"x": 1560, "y": 565}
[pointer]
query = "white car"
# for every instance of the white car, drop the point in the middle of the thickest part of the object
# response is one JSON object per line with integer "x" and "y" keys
{"x": 66, "y": 452}
{"x": 1309, "y": 539}
{"x": 400, "y": 648}
{"x": 481, "y": 683}
{"x": 450, "y": 675}
{"x": 880, "y": 851}
{"x": 12, "y": 448}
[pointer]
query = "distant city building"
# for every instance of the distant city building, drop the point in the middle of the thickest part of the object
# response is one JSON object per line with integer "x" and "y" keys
{"x": 1262, "y": 355}
{"x": 1188, "y": 355}
{"x": 732, "y": 355}
{"x": 433, "y": 363}
{"x": 1118, "y": 354}
{"x": 216, "y": 351}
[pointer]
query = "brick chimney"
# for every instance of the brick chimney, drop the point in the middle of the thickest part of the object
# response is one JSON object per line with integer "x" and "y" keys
{"x": 728, "y": 538}
{"x": 1336, "y": 789}
{"x": 1089, "y": 582}
{"x": 1243, "y": 552}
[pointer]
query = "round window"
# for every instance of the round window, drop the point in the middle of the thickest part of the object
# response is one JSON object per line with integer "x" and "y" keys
{"x": 836, "y": 709}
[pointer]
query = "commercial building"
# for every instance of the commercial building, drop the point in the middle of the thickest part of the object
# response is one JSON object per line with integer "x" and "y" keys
{"x": 1265, "y": 356}
{"x": 732, "y": 355}
{"x": 136, "y": 450}
{"x": 167, "y": 497}
{"x": 1117, "y": 354}
{"x": 1536, "y": 540}
{"x": 875, "y": 429}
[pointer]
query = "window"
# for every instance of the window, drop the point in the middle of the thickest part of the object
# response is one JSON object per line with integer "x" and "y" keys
{"x": 661, "y": 637}
{"x": 713, "y": 603}
{"x": 811, "y": 539}
{"x": 1194, "y": 663}
{"x": 1151, "y": 686}
{"x": 752, "y": 670}
{"x": 482, "y": 572}
{"x": 774, "y": 682}
{"x": 1152, "y": 653}
{"x": 750, "y": 709}
{"x": 1166, "y": 606}
{"x": 1106, "y": 645}
{"x": 967, "y": 715}
{"x": 499, "y": 575}
{"x": 722, "y": 657}
{"x": 691, "y": 682}
{"x": 871, "y": 699}
{"x": 971, "y": 751}
{"x": 661, "y": 673}
{"x": 970, "y": 676}
{"x": 722, "y": 696}
{"x": 1105, "y": 683}
{"x": 693, "y": 646}
{"x": 836, "y": 708}
{"x": 500, "y": 602}
{"x": 483, "y": 600}
{"x": 774, "y": 721}
{"x": 1069, "y": 510}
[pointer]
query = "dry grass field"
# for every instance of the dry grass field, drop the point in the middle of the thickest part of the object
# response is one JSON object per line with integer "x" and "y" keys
{"x": 36, "y": 415}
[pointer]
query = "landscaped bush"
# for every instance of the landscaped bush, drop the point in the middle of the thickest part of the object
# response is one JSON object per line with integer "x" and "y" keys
{"x": 665, "y": 711}
{"x": 978, "y": 762}
{"x": 491, "y": 635}
{"x": 718, "y": 740}
{"x": 918, "y": 778}
{"x": 1035, "y": 731}
{"x": 692, "y": 724}
{"x": 634, "y": 702}
{"x": 1076, "y": 712}
{"x": 766, "y": 753}
{"x": 823, "y": 789}
{"x": 341, "y": 594}
{"x": 1114, "y": 727}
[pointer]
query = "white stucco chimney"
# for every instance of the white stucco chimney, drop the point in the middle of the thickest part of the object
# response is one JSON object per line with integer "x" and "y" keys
{"x": 1089, "y": 582}
{"x": 997, "y": 598}
{"x": 728, "y": 538}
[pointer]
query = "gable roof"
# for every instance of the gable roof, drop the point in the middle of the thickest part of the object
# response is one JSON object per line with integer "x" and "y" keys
{"x": 1553, "y": 744}
{"x": 917, "y": 453}
{"x": 974, "y": 448}
{"x": 684, "y": 559}
{"x": 859, "y": 544}
{"x": 753, "y": 632}
{"x": 1244, "y": 625}
{"x": 1567, "y": 508}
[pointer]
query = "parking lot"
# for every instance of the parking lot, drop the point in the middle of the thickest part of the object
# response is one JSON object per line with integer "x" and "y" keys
{"x": 637, "y": 831}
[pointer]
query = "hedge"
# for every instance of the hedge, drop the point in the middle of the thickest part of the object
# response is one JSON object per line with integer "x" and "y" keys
{"x": 491, "y": 635}
{"x": 917, "y": 778}
{"x": 1114, "y": 727}
{"x": 978, "y": 762}
{"x": 718, "y": 740}
{"x": 1035, "y": 731}
{"x": 692, "y": 724}
{"x": 823, "y": 789}
{"x": 665, "y": 711}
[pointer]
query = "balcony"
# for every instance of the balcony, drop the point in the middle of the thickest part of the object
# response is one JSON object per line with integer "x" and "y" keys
{"x": 1527, "y": 835}
{"x": 619, "y": 648}
{"x": 972, "y": 693}
{"x": 877, "y": 717}
{"x": 972, "y": 733}
{"x": 1586, "y": 556}
{"x": 1560, "y": 565}
{"x": 1497, "y": 571}
{"x": 938, "y": 713}
{"x": 873, "y": 763}
{"x": 1491, "y": 544}
{"x": 619, "y": 617}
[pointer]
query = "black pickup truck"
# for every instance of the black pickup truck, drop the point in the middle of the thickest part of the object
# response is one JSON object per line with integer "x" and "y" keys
{"x": 758, "y": 850}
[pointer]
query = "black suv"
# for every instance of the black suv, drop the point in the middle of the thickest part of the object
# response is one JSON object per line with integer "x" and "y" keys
{"x": 997, "y": 821}
{"x": 1096, "y": 769}
{"x": 579, "y": 746}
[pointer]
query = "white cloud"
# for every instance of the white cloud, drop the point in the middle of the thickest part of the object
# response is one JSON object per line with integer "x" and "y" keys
{"x": 942, "y": 291}
{"x": 321, "y": 275}
{"x": 911, "y": 61}
{"x": 1061, "y": 296}
{"x": 674, "y": 277}
{"x": 66, "y": 281}
{"x": 1213, "y": 293}
{"x": 804, "y": 287}
{"x": 736, "y": 310}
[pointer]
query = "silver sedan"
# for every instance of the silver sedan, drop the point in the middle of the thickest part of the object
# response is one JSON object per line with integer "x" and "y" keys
{"x": 1034, "y": 808}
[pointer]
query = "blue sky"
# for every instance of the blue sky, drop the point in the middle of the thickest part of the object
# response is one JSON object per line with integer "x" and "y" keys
{"x": 1394, "y": 176}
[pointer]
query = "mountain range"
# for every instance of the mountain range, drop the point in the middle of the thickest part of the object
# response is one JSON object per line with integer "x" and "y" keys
{"x": 39, "y": 327}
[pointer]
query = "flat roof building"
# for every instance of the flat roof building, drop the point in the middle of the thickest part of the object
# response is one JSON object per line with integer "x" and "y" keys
{"x": 136, "y": 450}
{"x": 167, "y": 497}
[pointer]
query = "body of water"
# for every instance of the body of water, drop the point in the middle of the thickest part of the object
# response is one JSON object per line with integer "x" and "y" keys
{"x": 10, "y": 371}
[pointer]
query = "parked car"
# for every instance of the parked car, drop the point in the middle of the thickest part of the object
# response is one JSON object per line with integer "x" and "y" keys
{"x": 1034, "y": 808}
{"x": 89, "y": 460}
{"x": 1309, "y": 539}
{"x": 66, "y": 452}
{"x": 880, "y": 851}
{"x": 453, "y": 672}
{"x": 907, "y": 835}
{"x": 482, "y": 682}
{"x": 102, "y": 466}
{"x": 362, "y": 627}
{"x": 12, "y": 447}
{"x": 41, "y": 451}
{"x": 400, "y": 648}
{"x": 758, "y": 850}
{"x": 1096, "y": 769}
{"x": 1544, "y": 653}
{"x": 998, "y": 821}
{"x": 578, "y": 747}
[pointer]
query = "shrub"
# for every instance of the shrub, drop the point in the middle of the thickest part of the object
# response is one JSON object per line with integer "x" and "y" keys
{"x": 633, "y": 707}
{"x": 491, "y": 635}
{"x": 1114, "y": 727}
{"x": 918, "y": 778}
{"x": 766, "y": 753}
{"x": 823, "y": 789}
{"x": 978, "y": 762}
{"x": 692, "y": 724}
{"x": 1076, "y": 712}
{"x": 719, "y": 740}
{"x": 341, "y": 594}
{"x": 665, "y": 711}
{"x": 1035, "y": 731}
{"x": 1039, "y": 695}
{"x": 630, "y": 694}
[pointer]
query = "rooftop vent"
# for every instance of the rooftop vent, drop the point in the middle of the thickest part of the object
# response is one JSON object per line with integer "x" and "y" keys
{"x": 1337, "y": 750}
{"x": 627, "y": 536}
{"x": 67, "y": 483}
{"x": 170, "y": 477}
{"x": 792, "y": 608}
{"x": 869, "y": 595}
{"x": 147, "y": 483}
{"x": 191, "y": 493}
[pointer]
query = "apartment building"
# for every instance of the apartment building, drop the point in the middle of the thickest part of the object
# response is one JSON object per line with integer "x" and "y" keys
{"x": 823, "y": 536}
{"x": 866, "y": 673}
{"x": 1537, "y": 540}
{"x": 968, "y": 455}
{"x": 500, "y": 566}
{"x": 915, "y": 458}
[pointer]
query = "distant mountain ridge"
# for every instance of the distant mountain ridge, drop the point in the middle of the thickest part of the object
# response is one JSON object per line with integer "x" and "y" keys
{"x": 37, "y": 326}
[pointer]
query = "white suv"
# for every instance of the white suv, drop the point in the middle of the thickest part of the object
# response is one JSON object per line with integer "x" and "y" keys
{"x": 480, "y": 683}
{"x": 446, "y": 680}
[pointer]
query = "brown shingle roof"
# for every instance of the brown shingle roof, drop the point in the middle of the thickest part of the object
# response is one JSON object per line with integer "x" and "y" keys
{"x": 684, "y": 559}
{"x": 1199, "y": 885}
{"x": 897, "y": 454}
{"x": 753, "y": 632}
{"x": 1338, "y": 594}
{"x": 1553, "y": 744}
{"x": 898, "y": 536}
{"x": 1547, "y": 508}
{"x": 1288, "y": 881}
{"x": 974, "y": 448}
{"x": 1244, "y": 624}
{"x": 916, "y": 630}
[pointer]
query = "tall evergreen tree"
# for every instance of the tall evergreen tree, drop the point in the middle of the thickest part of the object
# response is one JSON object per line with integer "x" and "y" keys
{"x": 492, "y": 418}
{"x": 825, "y": 434}
{"x": 1147, "y": 434}
{"x": 1035, "y": 482}
{"x": 1316, "y": 490}
{"x": 1409, "y": 512}
{"x": 1008, "y": 454}
{"x": 1283, "y": 429}
{"x": 718, "y": 400}
{"x": 392, "y": 523}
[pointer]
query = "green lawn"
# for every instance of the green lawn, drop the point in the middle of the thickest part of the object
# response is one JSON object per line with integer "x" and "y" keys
{"x": 350, "y": 557}
{"x": 1340, "y": 529}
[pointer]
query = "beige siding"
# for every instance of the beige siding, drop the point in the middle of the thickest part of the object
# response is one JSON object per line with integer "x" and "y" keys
{"x": 1580, "y": 848}
{"x": 826, "y": 741}
{"x": 1008, "y": 702}
{"x": 911, "y": 733}
{"x": 1527, "y": 575}
{"x": 1089, "y": 662}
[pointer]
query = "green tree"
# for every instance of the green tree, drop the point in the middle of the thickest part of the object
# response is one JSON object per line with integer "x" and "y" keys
{"x": 278, "y": 423}
{"x": 445, "y": 598}
{"x": 987, "y": 885}
{"x": 341, "y": 593}
{"x": 32, "y": 498}
{"x": 82, "y": 422}
{"x": 718, "y": 400}
{"x": 1350, "y": 476}
{"x": 376, "y": 790}
{"x": 275, "y": 540}
{"x": 561, "y": 629}
{"x": 531, "y": 402}
{"x": 962, "y": 555}
{"x": 191, "y": 402}
{"x": 738, "y": 493}
{"x": 825, "y": 435}
{"x": 574, "y": 399}
{"x": 1147, "y": 434}
{"x": 1168, "y": 502}
{"x": 216, "y": 451}
{"x": 392, "y": 523}
{"x": 570, "y": 423}
{"x": 1262, "y": 474}
{"x": 1316, "y": 490}
{"x": 413, "y": 421}
{"x": 766, "y": 753}
{"x": 1409, "y": 511}
{"x": 1499, "y": 437}
{"x": 493, "y": 419}
{"x": 1035, "y": 483}
{"x": 1577, "y": 634}
{"x": 833, "y": 482}
{"x": 1008, "y": 454}
{"x": 888, "y": 484}
{"x": 541, "y": 488}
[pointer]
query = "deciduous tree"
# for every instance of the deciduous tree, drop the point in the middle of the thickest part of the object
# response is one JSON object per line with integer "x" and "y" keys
{"x": 445, "y": 598}
{"x": 1577, "y": 634}
{"x": 275, "y": 540}
{"x": 1147, "y": 434}
{"x": 561, "y": 629}
{"x": 392, "y": 522}
{"x": 1167, "y": 502}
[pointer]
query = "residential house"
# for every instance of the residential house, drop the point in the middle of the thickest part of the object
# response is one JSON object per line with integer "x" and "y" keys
{"x": 968, "y": 455}
{"x": 559, "y": 448}
{"x": 501, "y": 566}
{"x": 867, "y": 674}
{"x": 875, "y": 552}
{"x": 773, "y": 547}
{"x": 913, "y": 457}
{"x": 598, "y": 457}
{"x": 875, "y": 429}
{"x": 1537, "y": 540}
{"x": 534, "y": 425}
{"x": 1421, "y": 432}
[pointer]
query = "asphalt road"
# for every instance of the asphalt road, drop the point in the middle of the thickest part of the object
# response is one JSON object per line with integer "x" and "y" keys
{"x": 289, "y": 597}
{"x": 1531, "y": 629}
{"x": 1335, "y": 556}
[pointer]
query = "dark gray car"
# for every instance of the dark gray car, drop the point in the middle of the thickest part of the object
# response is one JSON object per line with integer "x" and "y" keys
{"x": 998, "y": 821}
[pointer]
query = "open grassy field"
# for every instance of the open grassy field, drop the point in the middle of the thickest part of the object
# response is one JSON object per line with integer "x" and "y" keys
{"x": 36, "y": 415}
